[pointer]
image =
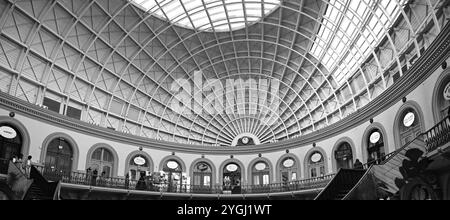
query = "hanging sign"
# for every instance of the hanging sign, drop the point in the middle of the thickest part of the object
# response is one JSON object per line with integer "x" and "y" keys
{"x": 288, "y": 163}
{"x": 172, "y": 165}
{"x": 447, "y": 92}
{"x": 260, "y": 166}
{"x": 8, "y": 132}
{"x": 375, "y": 137}
{"x": 139, "y": 161}
{"x": 316, "y": 157}
{"x": 409, "y": 119}
{"x": 232, "y": 167}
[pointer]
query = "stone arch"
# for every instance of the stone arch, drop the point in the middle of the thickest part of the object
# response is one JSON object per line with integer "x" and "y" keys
{"x": 135, "y": 153}
{"x": 72, "y": 142}
{"x": 398, "y": 120}
{"x": 309, "y": 154}
{"x": 335, "y": 147}
{"x": 210, "y": 163}
{"x": 365, "y": 138}
{"x": 26, "y": 140}
{"x": 282, "y": 158}
{"x": 253, "y": 163}
{"x": 109, "y": 148}
{"x": 238, "y": 162}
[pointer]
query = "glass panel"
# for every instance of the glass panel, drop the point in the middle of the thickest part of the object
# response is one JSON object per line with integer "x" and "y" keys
{"x": 207, "y": 181}
{"x": 97, "y": 155}
{"x": 266, "y": 179}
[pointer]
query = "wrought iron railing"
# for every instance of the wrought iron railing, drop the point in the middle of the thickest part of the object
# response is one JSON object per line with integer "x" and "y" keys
{"x": 439, "y": 135}
{"x": 379, "y": 161}
{"x": 80, "y": 178}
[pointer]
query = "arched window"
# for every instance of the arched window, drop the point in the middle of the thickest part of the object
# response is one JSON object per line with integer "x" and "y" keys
{"x": 288, "y": 169}
{"x": 202, "y": 174}
{"x": 231, "y": 176}
{"x": 375, "y": 146}
{"x": 409, "y": 126}
{"x": 344, "y": 156}
{"x": 10, "y": 145}
{"x": 138, "y": 166}
{"x": 59, "y": 157}
{"x": 102, "y": 161}
{"x": 316, "y": 165}
{"x": 174, "y": 172}
{"x": 261, "y": 173}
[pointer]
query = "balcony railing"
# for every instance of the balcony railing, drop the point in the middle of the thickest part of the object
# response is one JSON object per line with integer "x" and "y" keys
{"x": 439, "y": 135}
{"x": 80, "y": 178}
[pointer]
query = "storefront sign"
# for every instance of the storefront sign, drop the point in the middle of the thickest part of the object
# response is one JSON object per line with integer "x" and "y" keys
{"x": 172, "y": 165}
{"x": 409, "y": 119}
{"x": 232, "y": 167}
{"x": 447, "y": 92}
{"x": 139, "y": 161}
{"x": 288, "y": 163}
{"x": 7, "y": 132}
{"x": 316, "y": 157}
{"x": 375, "y": 137}
{"x": 260, "y": 166}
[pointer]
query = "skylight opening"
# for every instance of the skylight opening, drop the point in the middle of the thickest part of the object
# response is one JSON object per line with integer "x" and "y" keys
{"x": 210, "y": 15}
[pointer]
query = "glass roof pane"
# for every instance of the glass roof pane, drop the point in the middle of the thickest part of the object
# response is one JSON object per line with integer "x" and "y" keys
{"x": 350, "y": 19}
{"x": 207, "y": 13}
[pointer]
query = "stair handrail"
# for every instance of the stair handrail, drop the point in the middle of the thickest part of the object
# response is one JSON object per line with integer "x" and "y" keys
{"x": 390, "y": 156}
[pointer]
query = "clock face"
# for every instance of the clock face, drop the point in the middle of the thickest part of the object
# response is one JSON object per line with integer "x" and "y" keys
{"x": 245, "y": 140}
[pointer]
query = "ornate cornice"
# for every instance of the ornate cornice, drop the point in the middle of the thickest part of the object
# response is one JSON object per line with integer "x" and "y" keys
{"x": 419, "y": 72}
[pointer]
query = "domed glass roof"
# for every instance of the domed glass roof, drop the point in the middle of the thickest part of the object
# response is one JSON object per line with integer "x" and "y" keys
{"x": 204, "y": 72}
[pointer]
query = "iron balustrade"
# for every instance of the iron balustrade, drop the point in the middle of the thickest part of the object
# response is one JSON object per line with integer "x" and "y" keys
{"x": 80, "y": 178}
{"x": 439, "y": 135}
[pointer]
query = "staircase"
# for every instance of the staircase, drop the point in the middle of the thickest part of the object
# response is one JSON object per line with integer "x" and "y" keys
{"x": 41, "y": 189}
{"x": 383, "y": 180}
{"x": 341, "y": 185}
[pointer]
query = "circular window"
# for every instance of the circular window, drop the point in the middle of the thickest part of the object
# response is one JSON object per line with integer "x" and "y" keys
{"x": 409, "y": 119}
{"x": 8, "y": 132}
{"x": 447, "y": 92}
{"x": 288, "y": 163}
{"x": 139, "y": 161}
{"x": 172, "y": 165}
{"x": 232, "y": 167}
{"x": 316, "y": 157}
{"x": 375, "y": 137}
{"x": 260, "y": 166}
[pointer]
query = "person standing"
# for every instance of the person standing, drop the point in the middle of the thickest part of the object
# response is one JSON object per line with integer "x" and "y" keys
{"x": 27, "y": 166}
{"x": 358, "y": 165}
{"x": 94, "y": 177}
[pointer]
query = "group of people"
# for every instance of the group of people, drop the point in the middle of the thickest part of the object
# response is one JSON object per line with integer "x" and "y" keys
{"x": 24, "y": 166}
{"x": 93, "y": 179}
